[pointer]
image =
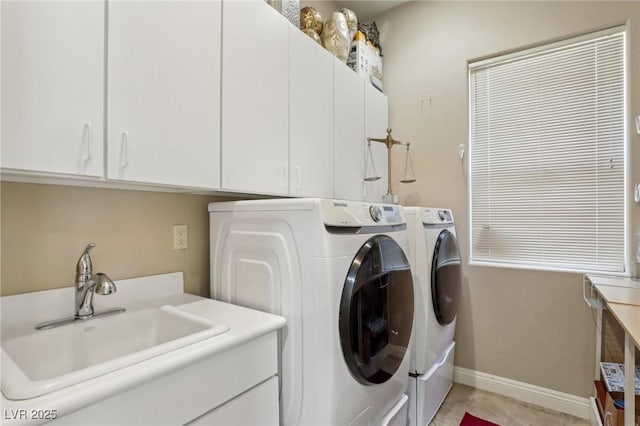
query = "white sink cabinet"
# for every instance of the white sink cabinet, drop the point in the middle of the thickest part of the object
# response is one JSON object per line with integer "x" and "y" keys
{"x": 214, "y": 391}
{"x": 227, "y": 379}
{"x": 53, "y": 86}
{"x": 164, "y": 92}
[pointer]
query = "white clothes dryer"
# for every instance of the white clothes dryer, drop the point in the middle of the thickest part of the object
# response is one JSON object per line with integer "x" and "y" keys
{"x": 338, "y": 272}
{"x": 437, "y": 277}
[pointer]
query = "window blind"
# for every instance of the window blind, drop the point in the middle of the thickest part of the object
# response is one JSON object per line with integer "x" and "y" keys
{"x": 547, "y": 157}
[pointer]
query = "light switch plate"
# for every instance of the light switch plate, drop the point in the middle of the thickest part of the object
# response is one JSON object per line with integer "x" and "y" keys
{"x": 638, "y": 124}
{"x": 636, "y": 193}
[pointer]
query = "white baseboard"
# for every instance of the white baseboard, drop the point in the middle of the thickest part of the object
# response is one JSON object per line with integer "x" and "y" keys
{"x": 537, "y": 395}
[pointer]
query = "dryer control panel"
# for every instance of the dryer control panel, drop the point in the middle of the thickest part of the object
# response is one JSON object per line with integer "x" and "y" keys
{"x": 432, "y": 216}
{"x": 358, "y": 214}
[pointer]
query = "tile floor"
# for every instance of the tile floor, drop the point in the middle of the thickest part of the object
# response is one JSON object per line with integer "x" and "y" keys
{"x": 498, "y": 409}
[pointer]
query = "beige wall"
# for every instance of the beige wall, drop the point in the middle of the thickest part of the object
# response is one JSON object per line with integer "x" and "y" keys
{"x": 44, "y": 229}
{"x": 524, "y": 325}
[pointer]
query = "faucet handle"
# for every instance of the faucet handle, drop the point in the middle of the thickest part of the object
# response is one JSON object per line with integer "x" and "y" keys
{"x": 104, "y": 284}
{"x": 84, "y": 266}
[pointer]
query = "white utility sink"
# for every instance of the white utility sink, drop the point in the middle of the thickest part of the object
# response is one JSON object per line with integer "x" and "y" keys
{"x": 47, "y": 360}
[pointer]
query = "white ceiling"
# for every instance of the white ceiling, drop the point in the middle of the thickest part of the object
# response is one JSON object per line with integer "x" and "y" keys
{"x": 365, "y": 10}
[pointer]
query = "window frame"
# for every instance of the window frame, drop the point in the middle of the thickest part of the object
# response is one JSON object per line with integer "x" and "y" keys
{"x": 542, "y": 48}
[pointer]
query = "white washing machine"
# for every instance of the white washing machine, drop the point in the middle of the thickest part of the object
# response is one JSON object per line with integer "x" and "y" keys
{"x": 437, "y": 276}
{"x": 338, "y": 272}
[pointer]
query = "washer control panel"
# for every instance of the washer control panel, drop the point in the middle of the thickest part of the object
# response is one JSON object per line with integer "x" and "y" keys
{"x": 445, "y": 215}
{"x": 431, "y": 216}
{"x": 355, "y": 213}
{"x": 392, "y": 214}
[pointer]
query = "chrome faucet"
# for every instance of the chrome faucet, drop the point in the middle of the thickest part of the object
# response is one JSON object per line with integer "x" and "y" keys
{"x": 87, "y": 284}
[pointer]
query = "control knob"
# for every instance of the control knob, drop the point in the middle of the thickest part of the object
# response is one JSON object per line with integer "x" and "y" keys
{"x": 376, "y": 213}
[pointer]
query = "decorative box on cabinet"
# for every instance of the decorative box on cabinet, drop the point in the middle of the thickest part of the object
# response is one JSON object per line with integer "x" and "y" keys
{"x": 53, "y": 86}
{"x": 367, "y": 62}
{"x": 164, "y": 92}
{"x": 255, "y": 100}
{"x": 310, "y": 117}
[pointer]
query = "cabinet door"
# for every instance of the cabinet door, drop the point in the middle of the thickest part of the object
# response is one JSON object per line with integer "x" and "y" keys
{"x": 376, "y": 120}
{"x": 349, "y": 137}
{"x": 164, "y": 92}
{"x": 255, "y": 74}
{"x": 258, "y": 406}
{"x": 53, "y": 86}
{"x": 310, "y": 117}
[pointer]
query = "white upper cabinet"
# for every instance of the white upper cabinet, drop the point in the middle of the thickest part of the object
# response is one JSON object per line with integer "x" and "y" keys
{"x": 255, "y": 100}
{"x": 348, "y": 134}
{"x": 310, "y": 117}
{"x": 164, "y": 92}
{"x": 220, "y": 95}
{"x": 376, "y": 121}
{"x": 53, "y": 86}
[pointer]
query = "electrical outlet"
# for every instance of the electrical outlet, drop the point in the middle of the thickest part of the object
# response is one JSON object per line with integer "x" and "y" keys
{"x": 180, "y": 237}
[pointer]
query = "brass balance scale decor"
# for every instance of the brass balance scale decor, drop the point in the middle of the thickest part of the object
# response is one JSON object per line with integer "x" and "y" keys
{"x": 409, "y": 175}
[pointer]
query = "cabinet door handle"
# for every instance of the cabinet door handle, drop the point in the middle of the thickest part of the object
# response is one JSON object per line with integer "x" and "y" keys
{"x": 284, "y": 175}
{"x": 124, "y": 148}
{"x": 87, "y": 133}
{"x": 298, "y": 178}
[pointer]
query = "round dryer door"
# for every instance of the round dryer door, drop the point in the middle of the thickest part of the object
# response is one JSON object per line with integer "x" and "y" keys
{"x": 376, "y": 311}
{"x": 446, "y": 278}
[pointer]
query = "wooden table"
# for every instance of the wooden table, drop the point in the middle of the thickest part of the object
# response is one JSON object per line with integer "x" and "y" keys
{"x": 622, "y": 298}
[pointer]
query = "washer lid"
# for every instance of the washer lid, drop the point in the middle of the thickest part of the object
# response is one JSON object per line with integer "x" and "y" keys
{"x": 446, "y": 278}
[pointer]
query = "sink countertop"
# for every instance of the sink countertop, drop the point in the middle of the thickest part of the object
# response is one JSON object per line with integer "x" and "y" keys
{"x": 244, "y": 325}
